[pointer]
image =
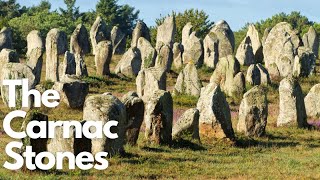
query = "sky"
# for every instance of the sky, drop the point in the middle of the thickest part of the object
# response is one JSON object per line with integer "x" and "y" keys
{"x": 236, "y": 12}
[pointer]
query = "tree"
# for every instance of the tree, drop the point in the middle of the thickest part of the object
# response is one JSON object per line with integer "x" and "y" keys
{"x": 44, "y": 5}
{"x": 71, "y": 12}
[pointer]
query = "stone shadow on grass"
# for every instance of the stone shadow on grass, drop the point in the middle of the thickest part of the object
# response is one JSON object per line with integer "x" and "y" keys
{"x": 181, "y": 143}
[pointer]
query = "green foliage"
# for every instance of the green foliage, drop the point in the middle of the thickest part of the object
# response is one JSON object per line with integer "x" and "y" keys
{"x": 47, "y": 84}
{"x": 72, "y": 12}
{"x": 185, "y": 100}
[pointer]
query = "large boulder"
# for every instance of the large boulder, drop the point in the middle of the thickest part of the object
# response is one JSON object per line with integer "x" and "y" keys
{"x": 177, "y": 55}
{"x": 211, "y": 50}
{"x": 166, "y": 32}
{"x": 130, "y": 63}
{"x": 150, "y": 80}
{"x": 280, "y": 48}
{"x": 292, "y": 107}
{"x": 56, "y": 44}
{"x": 104, "y": 108}
{"x": 5, "y": 38}
{"x": 304, "y": 63}
{"x": 187, "y": 125}
{"x": 148, "y": 53}
{"x": 312, "y": 102}
{"x": 245, "y": 54}
{"x": 188, "y": 81}
{"x": 192, "y": 45}
{"x": 253, "y": 112}
{"x": 79, "y": 41}
{"x": 34, "y": 40}
{"x": 141, "y": 30}
{"x": 215, "y": 117}
{"x": 164, "y": 58}
{"x": 103, "y": 57}
{"x": 118, "y": 39}
{"x": 99, "y": 32}
{"x": 135, "y": 113}
{"x": 158, "y": 117}
{"x": 255, "y": 43}
{"x": 311, "y": 40}
{"x": 257, "y": 75}
{"x": 34, "y": 61}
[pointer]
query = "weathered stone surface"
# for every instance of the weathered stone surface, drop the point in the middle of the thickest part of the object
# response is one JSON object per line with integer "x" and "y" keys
{"x": 227, "y": 74}
{"x": 221, "y": 30}
{"x": 118, "y": 39}
{"x": 292, "y": 107}
{"x": 141, "y": 30}
{"x": 311, "y": 40}
{"x": 245, "y": 54}
{"x": 265, "y": 35}
{"x": 255, "y": 42}
{"x": 265, "y": 77}
{"x": 188, "y": 81}
{"x": 253, "y": 112}
{"x": 257, "y": 75}
{"x": 6, "y": 56}
{"x": 215, "y": 117}
{"x": 130, "y": 63}
{"x": 211, "y": 50}
{"x": 192, "y": 45}
{"x": 187, "y": 125}
{"x": 56, "y": 44}
{"x": 135, "y": 113}
{"x": 34, "y": 61}
{"x": 158, "y": 117}
{"x": 148, "y": 53}
{"x": 68, "y": 66}
{"x": 99, "y": 32}
{"x": 16, "y": 71}
{"x": 166, "y": 32}
{"x": 81, "y": 67}
{"x": 164, "y": 58}
{"x": 304, "y": 63}
{"x": 281, "y": 48}
{"x": 177, "y": 55}
{"x": 72, "y": 91}
{"x": 79, "y": 41}
{"x": 150, "y": 80}
{"x": 104, "y": 108}
{"x": 312, "y": 102}
{"x": 103, "y": 57}
{"x": 34, "y": 41}
{"x": 5, "y": 38}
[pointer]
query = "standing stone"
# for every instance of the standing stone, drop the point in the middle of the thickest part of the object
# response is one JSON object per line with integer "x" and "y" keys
{"x": 188, "y": 81}
{"x": 312, "y": 102}
{"x": 73, "y": 92}
{"x": 253, "y": 112}
{"x": 103, "y": 57}
{"x": 158, "y": 117}
{"x": 104, "y": 108}
{"x": 304, "y": 63}
{"x": 192, "y": 45}
{"x": 257, "y": 75}
{"x": 215, "y": 117}
{"x": 166, "y": 32}
{"x": 211, "y": 50}
{"x": 150, "y": 80}
{"x": 5, "y": 38}
{"x": 280, "y": 48}
{"x": 221, "y": 30}
{"x": 187, "y": 125}
{"x": 164, "y": 58}
{"x": 118, "y": 39}
{"x": 34, "y": 41}
{"x": 68, "y": 66}
{"x": 255, "y": 42}
{"x": 81, "y": 67}
{"x": 135, "y": 113}
{"x": 79, "y": 41}
{"x": 6, "y": 56}
{"x": 311, "y": 40}
{"x": 34, "y": 61}
{"x": 141, "y": 30}
{"x": 148, "y": 53}
{"x": 99, "y": 32}
{"x": 130, "y": 63}
{"x": 265, "y": 35}
{"x": 177, "y": 55}
{"x": 245, "y": 54}
{"x": 16, "y": 71}
{"x": 292, "y": 107}
{"x": 56, "y": 44}
{"x": 186, "y": 32}
{"x": 265, "y": 77}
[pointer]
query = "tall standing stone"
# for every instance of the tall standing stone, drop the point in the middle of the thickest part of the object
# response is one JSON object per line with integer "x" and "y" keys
{"x": 188, "y": 81}
{"x": 5, "y": 38}
{"x": 81, "y": 67}
{"x": 68, "y": 66}
{"x": 245, "y": 54}
{"x": 6, "y": 56}
{"x": 141, "y": 30}
{"x": 147, "y": 52}
{"x": 256, "y": 43}
{"x": 292, "y": 107}
{"x": 211, "y": 50}
{"x": 187, "y": 125}
{"x": 159, "y": 117}
{"x": 311, "y": 40}
{"x": 253, "y": 112}
{"x": 265, "y": 35}
{"x": 304, "y": 63}
{"x": 312, "y": 102}
{"x": 79, "y": 41}
{"x": 257, "y": 75}
{"x": 99, "y": 32}
{"x": 56, "y": 44}
{"x": 118, "y": 39}
{"x": 166, "y": 32}
{"x": 105, "y": 108}
{"x": 192, "y": 45}
{"x": 164, "y": 58}
{"x": 103, "y": 57}
{"x": 130, "y": 63}
{"x": 34, "y": 41}
{"x": 149, "y": 80}
{"x": 34, "y": 61}
{"x": 177, "y": 55}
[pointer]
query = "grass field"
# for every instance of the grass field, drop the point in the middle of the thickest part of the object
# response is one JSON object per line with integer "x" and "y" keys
{"x": 284, "y": 153}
